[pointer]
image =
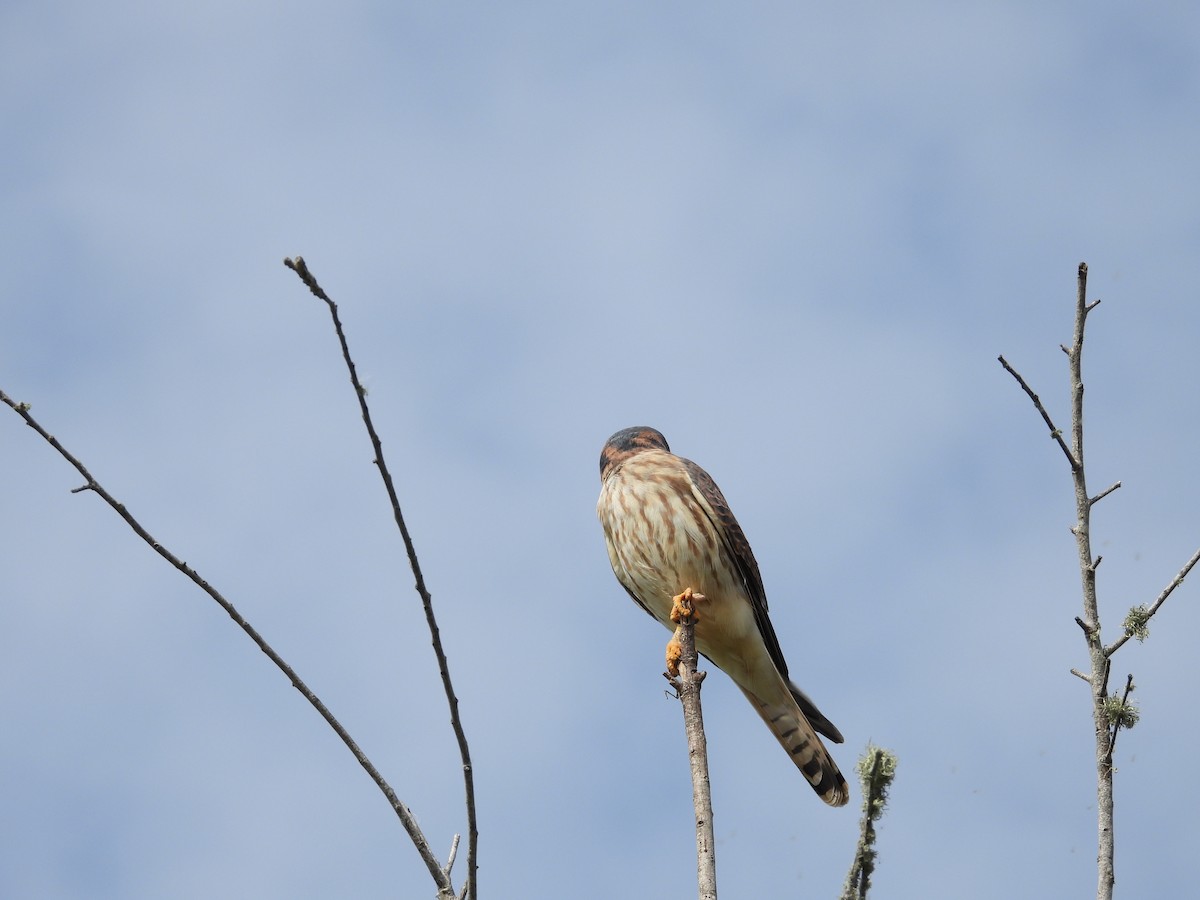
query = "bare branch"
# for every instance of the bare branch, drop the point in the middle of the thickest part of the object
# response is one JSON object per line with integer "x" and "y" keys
{"x": 453, "y": 854}
{"x": 682, "y": 660}
{"x": 1089, "y": 622}
{"x": 1110, "y": 713}
{"x": 1055, "y": 432}
{"x": 298, "y": 266}
{"x": 1104, "y": 493}
{"x": 1091, "y": 611}
{"x": 1154, "y": 607}
{"x": 405, "y": 815}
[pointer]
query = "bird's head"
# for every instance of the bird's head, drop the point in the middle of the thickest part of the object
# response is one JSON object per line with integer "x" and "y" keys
{"x": 627, "y": 442}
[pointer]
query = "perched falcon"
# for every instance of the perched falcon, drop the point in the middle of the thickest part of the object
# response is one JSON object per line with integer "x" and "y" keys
{"x": 668, "y": 528}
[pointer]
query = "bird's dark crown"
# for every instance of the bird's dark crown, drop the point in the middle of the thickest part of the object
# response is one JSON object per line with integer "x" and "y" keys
{"x": 628, "y": 441}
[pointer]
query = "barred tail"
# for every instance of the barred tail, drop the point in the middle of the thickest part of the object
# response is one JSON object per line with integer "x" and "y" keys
{"x": 788, "y": 724}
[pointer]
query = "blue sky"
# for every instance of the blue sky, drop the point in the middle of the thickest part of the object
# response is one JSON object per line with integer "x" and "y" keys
{"x": 793, "y": 239}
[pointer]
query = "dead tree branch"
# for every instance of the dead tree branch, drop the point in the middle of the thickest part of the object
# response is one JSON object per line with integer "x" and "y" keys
{"x": 1110, "y": 713}
{"x": 1147, "y": 613}
{"x": 298, "y": 266}
{"x": 441, "y": 877}
{"x": 876, "y": 772}
{"x": 682, "y": 660}
{"x": 1055, "y": 432}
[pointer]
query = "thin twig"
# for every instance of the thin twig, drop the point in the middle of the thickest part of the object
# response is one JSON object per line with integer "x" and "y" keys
{"x": 1104, "y": 493}
{"x": 687, "y": 682}
{"x": 1116, "y": 726}
{"x": 406, "y": 817}
{"x": 1055, "y": 432}
{"x": 453, "y": 854}
{"x": 1162, "y": 598}
{"x": 298, "y": 266}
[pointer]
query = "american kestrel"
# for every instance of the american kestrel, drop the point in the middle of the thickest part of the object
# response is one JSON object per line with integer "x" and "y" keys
{"x": 668, "y": 528}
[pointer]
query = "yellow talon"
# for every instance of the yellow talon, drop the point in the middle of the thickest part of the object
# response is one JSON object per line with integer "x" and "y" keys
{"x": 674, "y": 654}
{"x": 679, "y": 611}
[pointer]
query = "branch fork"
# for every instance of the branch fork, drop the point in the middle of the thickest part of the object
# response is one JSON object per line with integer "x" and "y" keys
{"x": 440, "y": 874}
{"x": 1110, "y": 714}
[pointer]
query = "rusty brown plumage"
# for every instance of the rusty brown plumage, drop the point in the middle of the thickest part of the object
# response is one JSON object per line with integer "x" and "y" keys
{"x": 668, "y": 528}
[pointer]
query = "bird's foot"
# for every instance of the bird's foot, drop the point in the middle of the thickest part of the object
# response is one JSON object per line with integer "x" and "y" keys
{"x": 683, "y": 606}
{"x": 674, "y": 654}
{"x": 683, "y": 609}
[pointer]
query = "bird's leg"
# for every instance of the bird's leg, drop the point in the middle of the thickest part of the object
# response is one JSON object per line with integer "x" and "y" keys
{"x": 681, "y": 608}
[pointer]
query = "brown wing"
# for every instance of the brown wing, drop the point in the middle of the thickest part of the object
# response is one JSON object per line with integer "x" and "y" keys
{"x": 747, "y": 565}
{"x": 743, "y": 557}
